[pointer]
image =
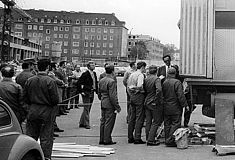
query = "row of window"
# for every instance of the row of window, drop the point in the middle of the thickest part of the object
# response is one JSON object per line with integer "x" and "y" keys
{"x": 75, "y": 36}
{"x": 87, "y": 22}
{"x": 76, "y": 29}
{"x": 86, "y": 52}
{"x": 86, "y": 44}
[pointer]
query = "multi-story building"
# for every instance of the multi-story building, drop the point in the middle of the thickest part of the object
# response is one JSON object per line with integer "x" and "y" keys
{"x": 153, "y": 45}
{"x": 83, "y": 36}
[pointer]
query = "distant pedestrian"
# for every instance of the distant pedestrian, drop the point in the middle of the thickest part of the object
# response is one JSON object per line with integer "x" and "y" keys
{"x": 109, "y": 105}
{"x": 153, "y": 105}
{"x": 125, "y": 80}
{"x": 12, "y": 93}
{"x": 89, "y": 86}
{"x": 136, "y": 92}
{"x": 174, "y": 102}
{"x": 41, "y": 95}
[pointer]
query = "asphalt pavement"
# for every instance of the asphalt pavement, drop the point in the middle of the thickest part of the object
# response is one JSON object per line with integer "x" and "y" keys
{"x": 123, "y": 150}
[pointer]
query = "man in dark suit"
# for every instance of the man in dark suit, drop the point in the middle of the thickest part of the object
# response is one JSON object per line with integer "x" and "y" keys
{"x": 109, "y": 105}
{"x": 174, "y": 102}
{"x": 153, "y": 105}
{"x": 89, "y": 85}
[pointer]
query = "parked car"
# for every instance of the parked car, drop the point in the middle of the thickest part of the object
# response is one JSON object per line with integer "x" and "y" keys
{"x": 120, "y": 71}
{"x": 13, "y": 144}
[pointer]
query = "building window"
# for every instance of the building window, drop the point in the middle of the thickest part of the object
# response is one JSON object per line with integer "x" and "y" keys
{"x": 100, "y": 22}
{"x": 48, "y": 31}
{"x": 77, "y": 21}
{"x": 92, "y": 29}
{"x": 46, "y": 53}
{"x": 111, "y": 30}
{"x": 75, "y": 51}
{"x": 104, "y": 52}
{"x": 106, "y": 23}
{"x": 110, "y": 45}
{"x": 104, "y": 37}
{"x": 104, "y": 45}
{"x": 65, "y": 50}
{"x": 47, "y": 46}
{"x": 55, "y": 28}
{"x": 75, "y": 44}
{"x": 86, "y": 29}
{"x": 35, "y": 34}
{"x": 92, "y": 52}
{"x": 48, "y": 20}
{"x": 55, "y": 20}
{"x": 40, "y": 34}
{"x": 93, "y": 22}
{"x": 110, "y": 52}
{"x": 85, "y": 44}
{"x": 87, "y": 22}
{"x": 19, "y": 26}
{"x": 35, "y": 27}
{"x": 66, "y": 28}
{"x": 129, "y": 49}
{"x": 42, "y": 20}
{"x": 86, "y": 36}
{"x": 66, "y": 36}
{"x": 61, "y": 35}
{"x": 76, "y": 29}
{"x": 85, "y": 51}
{"x": 47, "y": 38}
{"x": 61, "y": 28}
{"x": 92, "y": 37}
{"x": 111, "y": 38}
{"x": 18, "y": 34}
{"x": 29, "y": 27}
{"x": 40, "y": 28}
{"x": 97, "y": 52}
{"x": 74, "y": 59}
{"x": 92, "y": 44}
{"x": 129, "y": 43}
{"x": 36, "y": 20}
{"x": 98, "y": 37}
{"x": 113, "y": 23}
{"x": 55, "y": 35}
{"x": 29, "y": 34}
{"x": 98, "y": 45}
{"x": 61, "y": 21}
{"x": 68, "y": 21}
{"x": 98, "y": 30}
{"x": 65, "y": 43}
{"x": 76, "y": 36}
{"x": 105, "y": 30}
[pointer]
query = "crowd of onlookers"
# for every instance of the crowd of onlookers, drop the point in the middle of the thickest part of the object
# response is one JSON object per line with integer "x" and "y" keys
{"x": 44, "y": 90}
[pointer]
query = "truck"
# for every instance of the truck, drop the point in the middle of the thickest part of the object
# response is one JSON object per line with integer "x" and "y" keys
{"x": 207, "y": 58}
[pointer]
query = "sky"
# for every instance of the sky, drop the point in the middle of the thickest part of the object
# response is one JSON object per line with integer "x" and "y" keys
{"x": 157, "y": 18}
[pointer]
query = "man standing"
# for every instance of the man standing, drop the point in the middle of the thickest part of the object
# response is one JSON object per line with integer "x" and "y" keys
{"x": 153, "y": 105}
{"x": 136, "y": 92}
{"x": 12, "y": 93}
{"x": 41, "y": 95}
{"x": 24, "y": 75}
{"x": 174, "y": 102}
{"x": 89, "y": 85}
{"x": 109, "y": 104}
{"x": 102, "y": 75}
{"x": 125, "y": 79}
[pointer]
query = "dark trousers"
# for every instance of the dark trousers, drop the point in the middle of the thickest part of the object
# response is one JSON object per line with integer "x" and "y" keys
{"x": 107, "y": 122}
{"x": 128, "y": 106}
{"x": 171, "y": 124}
{"x": 87, "y": 101}
{"x": 153, "y": 121}
{"x": 44, "y": 129}
{"x": 136, "y": 116}
{"x": 74, "y": 92}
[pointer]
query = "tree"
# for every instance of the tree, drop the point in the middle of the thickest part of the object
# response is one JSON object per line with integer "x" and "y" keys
{"x": 139, "y": 51}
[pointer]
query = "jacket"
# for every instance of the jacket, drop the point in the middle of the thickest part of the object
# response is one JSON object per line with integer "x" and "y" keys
{"x": 85, "y": 82}
{"x": 108, "y": 93}
{"x": 23, "y": 76}
{"x": 174, "y": 99}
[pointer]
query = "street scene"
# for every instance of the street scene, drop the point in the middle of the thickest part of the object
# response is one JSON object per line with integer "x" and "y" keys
{"x": 117, "y": 79}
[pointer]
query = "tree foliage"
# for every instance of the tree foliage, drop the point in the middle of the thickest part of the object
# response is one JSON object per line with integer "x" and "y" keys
{"x": 139, "y": 51}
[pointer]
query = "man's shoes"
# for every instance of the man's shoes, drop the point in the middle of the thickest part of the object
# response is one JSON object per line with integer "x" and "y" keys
{"x": 101, "y": 143}
{"x": 153, "y": 143}
{"x": 55, "y": 135}
{"x": 81, "y": 126}
{"x": 58, "y": 130}
{"x": 131, "y": 140}
{"x": 139, "y": 141}
{"x": 87, "y": 127}
{"x": 63, "y": 113}
{"x": 171, "y": 144}
{"x": 110, "y": 143}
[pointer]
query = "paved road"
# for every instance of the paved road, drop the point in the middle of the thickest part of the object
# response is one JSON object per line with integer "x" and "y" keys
{"x": 125, "y": 151}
